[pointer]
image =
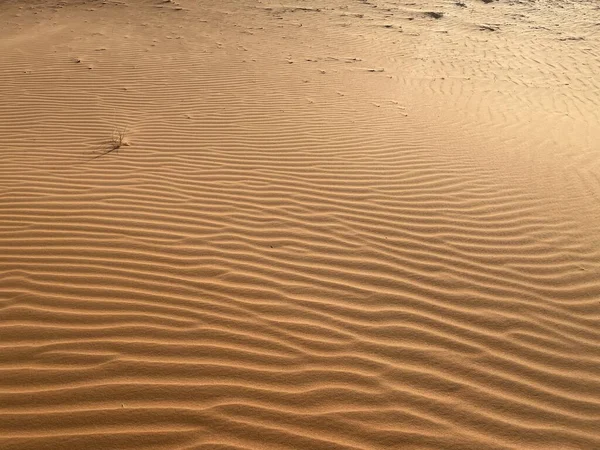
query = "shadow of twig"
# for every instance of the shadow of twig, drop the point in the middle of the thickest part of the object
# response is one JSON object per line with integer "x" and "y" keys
{"x": 116, "y": 141}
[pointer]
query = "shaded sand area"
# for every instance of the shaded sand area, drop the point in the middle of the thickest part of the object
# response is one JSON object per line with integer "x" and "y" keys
{"x": 328, "y": 225}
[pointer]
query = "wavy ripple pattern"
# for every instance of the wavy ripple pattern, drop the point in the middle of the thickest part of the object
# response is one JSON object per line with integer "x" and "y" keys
{"x": 272, "y": 262}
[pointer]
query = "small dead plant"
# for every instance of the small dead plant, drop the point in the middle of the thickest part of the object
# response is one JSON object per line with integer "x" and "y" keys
{"x": 117, "y": 140}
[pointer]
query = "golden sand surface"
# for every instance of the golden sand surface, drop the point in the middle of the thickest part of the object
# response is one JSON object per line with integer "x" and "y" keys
{"x": 303, "y": 224}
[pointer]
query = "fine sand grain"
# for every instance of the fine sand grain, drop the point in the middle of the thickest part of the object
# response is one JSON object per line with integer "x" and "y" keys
{"x": 249, "y": 224}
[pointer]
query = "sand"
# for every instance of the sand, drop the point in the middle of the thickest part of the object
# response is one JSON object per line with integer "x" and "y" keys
{"x": 313, "y": 224}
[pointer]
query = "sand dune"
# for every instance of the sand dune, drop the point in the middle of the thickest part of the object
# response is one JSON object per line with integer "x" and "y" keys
{"x": 332, "y": 225}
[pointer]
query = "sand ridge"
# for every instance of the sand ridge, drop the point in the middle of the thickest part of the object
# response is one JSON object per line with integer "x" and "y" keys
{"x": 334, "y": 226}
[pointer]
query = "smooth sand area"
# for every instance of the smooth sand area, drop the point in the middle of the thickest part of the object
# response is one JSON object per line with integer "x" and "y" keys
{"x": 302, "y": 224}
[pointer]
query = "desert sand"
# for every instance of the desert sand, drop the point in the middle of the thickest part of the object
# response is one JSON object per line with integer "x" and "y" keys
{"x": 314, "y": 224}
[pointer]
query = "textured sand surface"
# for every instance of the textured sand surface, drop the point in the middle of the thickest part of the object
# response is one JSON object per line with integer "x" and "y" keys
{"x": 331, "y": 224}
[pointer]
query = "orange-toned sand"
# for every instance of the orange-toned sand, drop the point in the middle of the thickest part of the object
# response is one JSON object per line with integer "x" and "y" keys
{"x": 329, "y": 224}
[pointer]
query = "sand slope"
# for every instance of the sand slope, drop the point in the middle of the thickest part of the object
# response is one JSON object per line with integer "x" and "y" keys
{"x": 334, "y": 225}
